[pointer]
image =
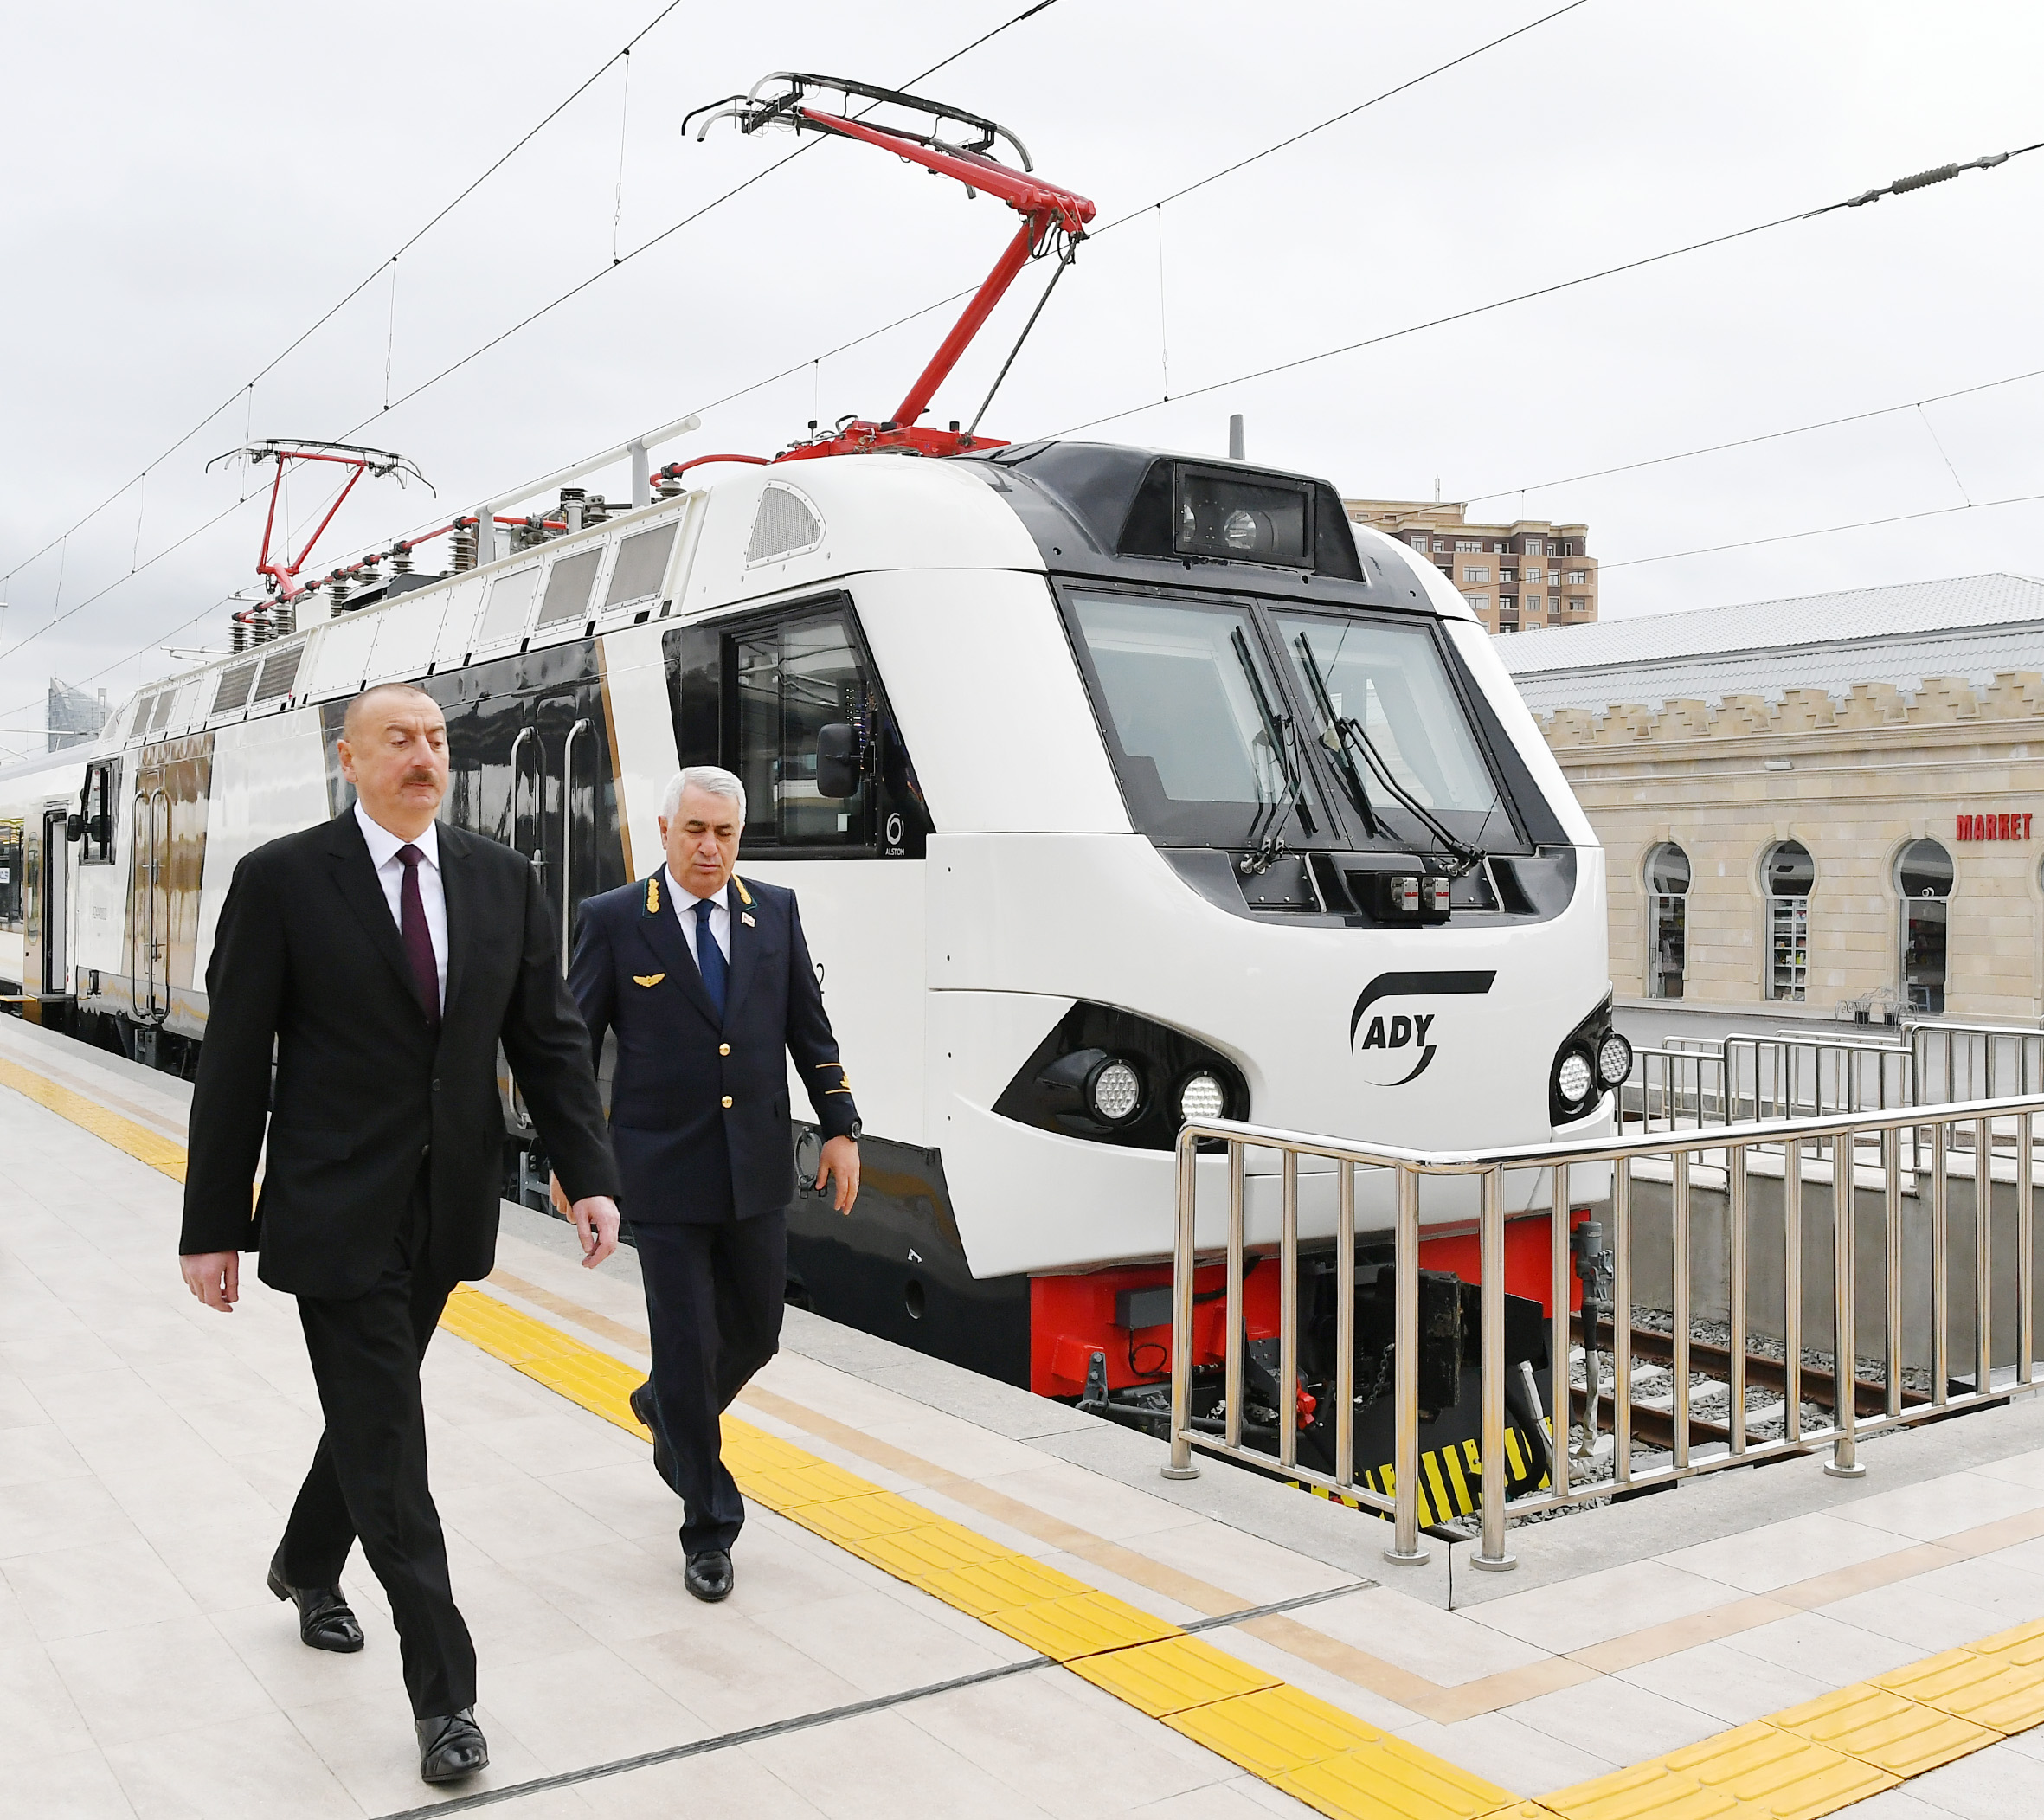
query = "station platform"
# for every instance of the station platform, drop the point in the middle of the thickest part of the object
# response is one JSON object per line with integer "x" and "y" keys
{"x": 953, "y": 1598}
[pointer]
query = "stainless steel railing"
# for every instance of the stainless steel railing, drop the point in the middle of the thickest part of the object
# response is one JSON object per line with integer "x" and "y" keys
{"x": 1754, "y": 1075}
{"x": 1853, "y": 1161}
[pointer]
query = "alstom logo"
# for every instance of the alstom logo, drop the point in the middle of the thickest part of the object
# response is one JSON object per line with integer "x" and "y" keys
{"x": 1397, "y": 1044}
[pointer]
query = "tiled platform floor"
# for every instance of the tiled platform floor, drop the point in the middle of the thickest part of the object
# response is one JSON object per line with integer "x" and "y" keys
{"x": 148, "y": 1450}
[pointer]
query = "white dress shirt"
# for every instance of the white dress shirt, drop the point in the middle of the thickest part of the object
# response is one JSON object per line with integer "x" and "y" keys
{"x": 720, "y": 918}
{"x": 433, "y": 897}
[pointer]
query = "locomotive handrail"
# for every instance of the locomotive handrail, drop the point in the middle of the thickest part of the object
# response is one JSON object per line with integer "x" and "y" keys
{"x": 1953, "y": 1142}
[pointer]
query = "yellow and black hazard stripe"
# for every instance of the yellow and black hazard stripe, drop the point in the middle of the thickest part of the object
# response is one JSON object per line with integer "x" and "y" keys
{"x": 1451, "y": 1479}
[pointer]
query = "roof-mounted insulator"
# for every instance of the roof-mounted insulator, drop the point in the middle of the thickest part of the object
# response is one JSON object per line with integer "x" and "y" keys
{"x": 461, "y": 544}
{"x": 400, "y": 558}
{"x": 572, "y": 502}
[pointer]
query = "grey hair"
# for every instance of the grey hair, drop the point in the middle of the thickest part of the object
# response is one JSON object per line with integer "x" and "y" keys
{"x": 712, "y": 778}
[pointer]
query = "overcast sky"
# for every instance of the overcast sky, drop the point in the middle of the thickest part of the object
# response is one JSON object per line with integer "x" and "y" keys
{"x": 194, "y": 186}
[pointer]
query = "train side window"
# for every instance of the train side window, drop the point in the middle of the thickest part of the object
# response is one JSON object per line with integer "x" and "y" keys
{"x": 98, "y": 803}
{"x": 787, "y": 683}
{"x": 12, "y": 855}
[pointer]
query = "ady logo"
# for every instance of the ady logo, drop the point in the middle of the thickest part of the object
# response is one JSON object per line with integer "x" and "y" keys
{"x": 1386, "y": 1042}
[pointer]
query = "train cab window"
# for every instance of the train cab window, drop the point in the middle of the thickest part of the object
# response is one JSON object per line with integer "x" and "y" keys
{"x": 790, "y": 685}
{"x": 100, "y": 804}
{"x": 1924, "y": 880}
{"x": 1668, "y": 920}
{"x": 1380, "y": 705}
{"x": 1197, "y": 725}
{"x": 12, "y": 855}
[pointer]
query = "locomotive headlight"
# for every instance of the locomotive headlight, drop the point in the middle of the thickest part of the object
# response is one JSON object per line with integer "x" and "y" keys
{"x": 1240, "y": 530}
{"x": 1202, "y": 1097}
{"x": 1115, "y": 1092}
{"x": 1614, "y": 1060}
{"x": 1572, "y": 1078}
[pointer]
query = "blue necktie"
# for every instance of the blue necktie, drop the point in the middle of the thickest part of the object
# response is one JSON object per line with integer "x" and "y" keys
{"x": 710, "y": 958}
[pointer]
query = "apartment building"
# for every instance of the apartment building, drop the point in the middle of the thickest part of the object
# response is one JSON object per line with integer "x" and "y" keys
{"x": 1517, "y": 576}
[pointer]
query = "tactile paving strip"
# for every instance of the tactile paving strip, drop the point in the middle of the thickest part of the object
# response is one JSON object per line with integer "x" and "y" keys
{"x": 1797, "y": 1764}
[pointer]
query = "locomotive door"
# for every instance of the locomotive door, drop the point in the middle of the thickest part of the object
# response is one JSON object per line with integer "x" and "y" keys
{"x": 148, "y": 898}
{"x": 53, "y": 901}
{"x": 555, "y": 786}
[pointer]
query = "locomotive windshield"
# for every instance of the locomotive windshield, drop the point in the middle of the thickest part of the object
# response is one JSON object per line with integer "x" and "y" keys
{"x": 1202, "y": 739}
{"x": 1230, "y": 721}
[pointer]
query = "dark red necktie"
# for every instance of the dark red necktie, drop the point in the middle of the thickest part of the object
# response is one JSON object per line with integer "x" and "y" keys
{"x": 417, "y": 939}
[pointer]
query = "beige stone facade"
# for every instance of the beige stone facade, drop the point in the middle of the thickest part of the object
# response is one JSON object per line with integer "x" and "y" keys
{"x": 1855, "y": 777}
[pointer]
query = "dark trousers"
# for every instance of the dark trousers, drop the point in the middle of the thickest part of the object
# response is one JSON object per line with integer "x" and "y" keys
{"x": 367, "y": 1478}
{"x": 714, "y": 1294}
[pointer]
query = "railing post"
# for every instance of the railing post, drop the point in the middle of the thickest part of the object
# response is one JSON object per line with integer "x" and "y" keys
{"x": 1558, "y": 1252}
{"x": 1891, "y": 1221}
{"x": 1845, "y": 1348}
{"x": 1678, "y": 1272}
{"x": 1237, "y": 1338}
{"x": 1491, "y": 1554}
{"x": 1622, "y": 1321}
{"x": 1288, "y": 1316}
{"x": 1792, "y": 1287}
{"x": 1405, "y": 1549}
{"x": 1735, "y": 1162}
{"x": 1940, "y": 1263}
{"x": 1181, "y": 1464}
{"x": 1344, "y": 1327}
{"x": 2026, "y": 1331}
{"x": 1983, "y": 1251}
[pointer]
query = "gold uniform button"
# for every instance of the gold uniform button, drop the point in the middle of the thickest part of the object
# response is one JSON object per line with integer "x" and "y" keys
{"x": 721, "y": 1048}
{"x": 726, "y": 1102}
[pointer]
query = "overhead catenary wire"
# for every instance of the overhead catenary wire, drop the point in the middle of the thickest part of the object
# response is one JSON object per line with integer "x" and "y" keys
{"x": 984, "y": 37}
{"x": 1528, "y": 296}
{"x": 1718, "y": 448}
{"x": 1823, "y": 531}
{"x": 249, "y": 387}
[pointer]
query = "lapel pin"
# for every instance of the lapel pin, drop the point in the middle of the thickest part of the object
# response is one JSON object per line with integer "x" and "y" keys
{"x": 647, "y": 979}
{"x": 745, "y": 916}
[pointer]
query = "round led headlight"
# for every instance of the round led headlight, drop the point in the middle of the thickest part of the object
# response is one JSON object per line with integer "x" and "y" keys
{"x": 1115, "y": 1092}
{"x": 1571, "y": 1079}
{"x": 1239, "y": 530}
{"x": 1614, "y": 1060}
{"x": 1202, "y": 1097}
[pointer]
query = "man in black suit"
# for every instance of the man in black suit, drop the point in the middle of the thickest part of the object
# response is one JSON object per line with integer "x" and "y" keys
{"x": 383, "y": 956}
{"x": 706, "y": 979}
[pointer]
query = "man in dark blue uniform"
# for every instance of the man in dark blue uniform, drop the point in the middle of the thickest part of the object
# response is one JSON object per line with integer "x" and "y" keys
{"x": 706, "y": 979}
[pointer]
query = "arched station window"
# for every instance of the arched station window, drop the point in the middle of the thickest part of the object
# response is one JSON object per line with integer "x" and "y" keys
{"x": 1790, "y": 873}
{"x": 1923, "y": 881}
{"x": 1668, "y": 899}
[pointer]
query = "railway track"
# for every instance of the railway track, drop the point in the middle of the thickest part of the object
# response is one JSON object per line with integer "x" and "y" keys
{"x": 1654, "y": 1426}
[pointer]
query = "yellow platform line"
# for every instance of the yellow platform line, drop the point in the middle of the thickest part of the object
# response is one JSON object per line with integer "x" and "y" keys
{"x": 1799, "y": 1764}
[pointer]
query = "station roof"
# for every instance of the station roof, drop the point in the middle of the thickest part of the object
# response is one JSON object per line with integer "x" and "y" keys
{"x": 1972, "y": 628}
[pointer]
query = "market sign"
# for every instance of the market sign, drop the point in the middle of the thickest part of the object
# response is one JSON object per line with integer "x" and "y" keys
{"x": 2001, "y": 826}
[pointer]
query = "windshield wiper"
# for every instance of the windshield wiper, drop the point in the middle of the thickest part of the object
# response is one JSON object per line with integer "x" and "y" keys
{"x": 1278, "y": 734}
{"x": 1346, "y": 735}
{"x": 1332, "y": 739}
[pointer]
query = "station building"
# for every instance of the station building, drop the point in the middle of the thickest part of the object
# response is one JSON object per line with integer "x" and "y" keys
{"x": 1829, "y": 806}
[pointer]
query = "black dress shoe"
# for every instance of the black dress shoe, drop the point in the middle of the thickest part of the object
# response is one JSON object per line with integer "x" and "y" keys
{"x": 708, "y": 1575}
{"x": 642, "y": 1407}
{"x": 325, "y": 1620}
{"x": 450, "y": 1747}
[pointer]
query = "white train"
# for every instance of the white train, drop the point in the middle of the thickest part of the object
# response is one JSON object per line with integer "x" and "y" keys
{"x": 1113, "y": 783}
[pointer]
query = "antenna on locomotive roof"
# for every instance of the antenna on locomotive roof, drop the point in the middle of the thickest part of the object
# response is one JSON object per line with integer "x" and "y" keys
{"x": 1053, "y": 222}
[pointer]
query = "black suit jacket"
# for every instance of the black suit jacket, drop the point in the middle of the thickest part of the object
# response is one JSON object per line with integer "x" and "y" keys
{"x": 308, "y": 959}
{"x": 698, "y": 1103}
